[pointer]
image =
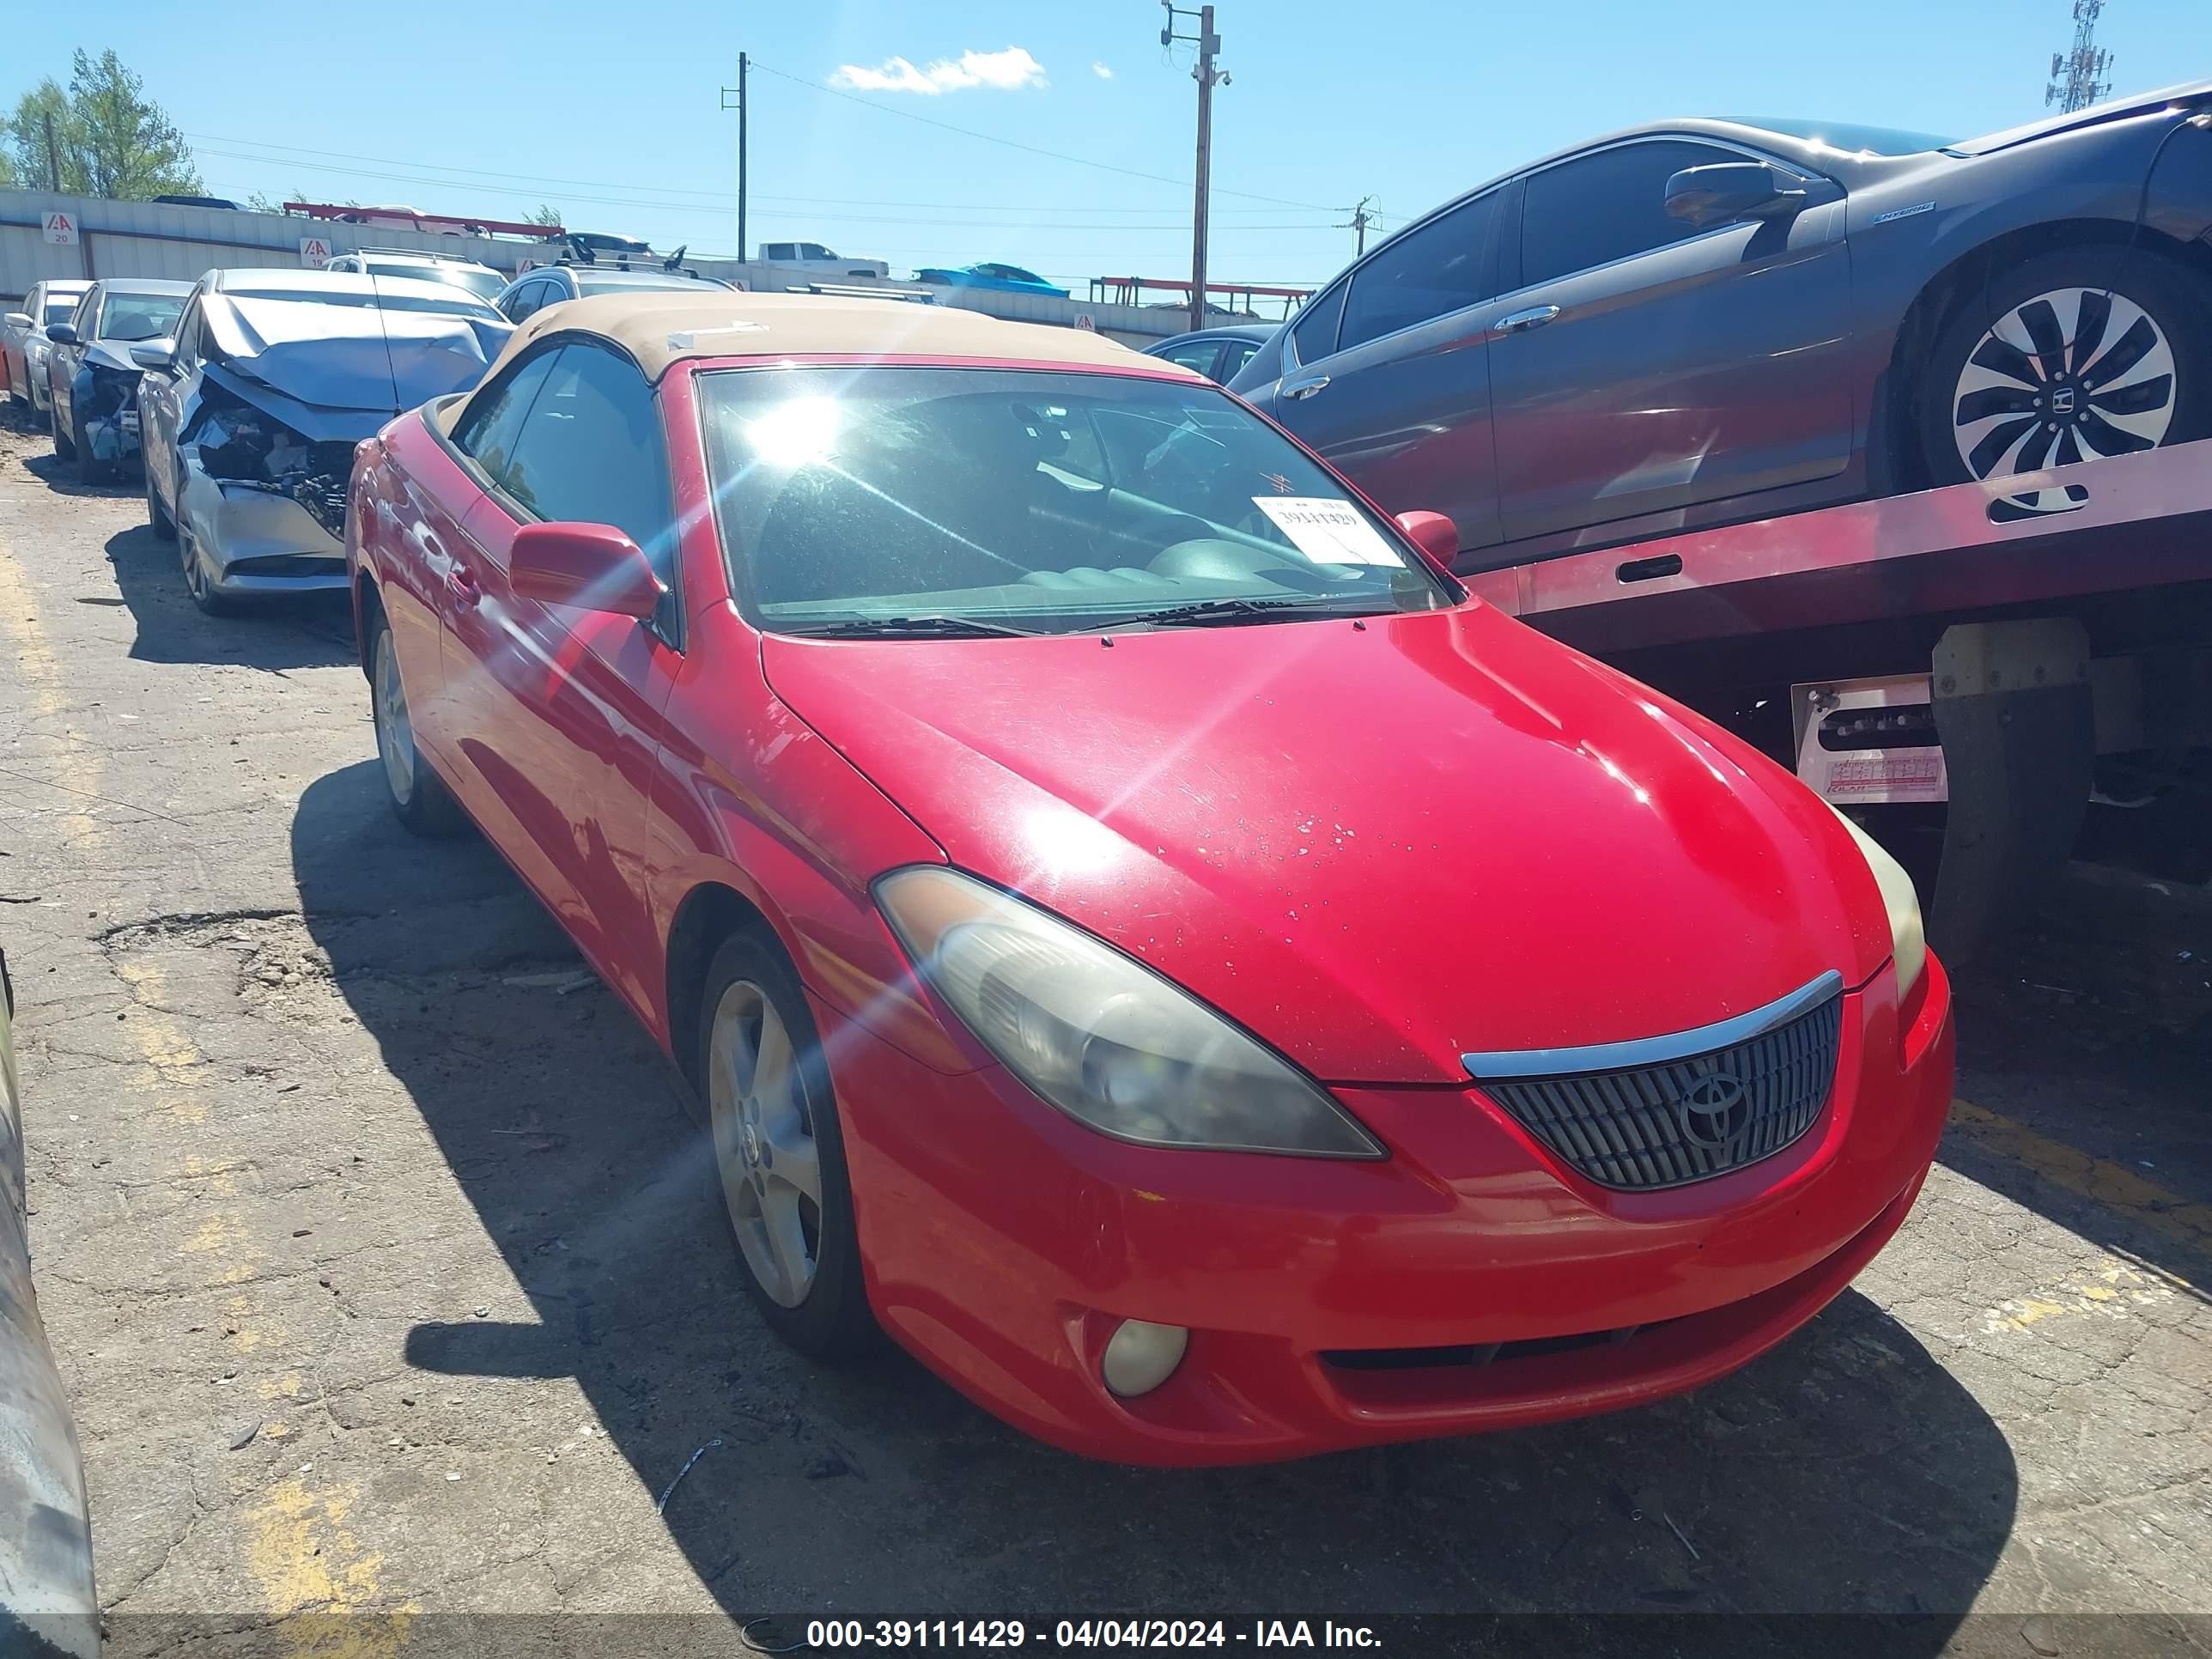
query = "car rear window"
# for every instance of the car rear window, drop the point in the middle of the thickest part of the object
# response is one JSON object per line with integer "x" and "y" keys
{"x": 630, "y": 281}
{"x": 1056, "y": 501}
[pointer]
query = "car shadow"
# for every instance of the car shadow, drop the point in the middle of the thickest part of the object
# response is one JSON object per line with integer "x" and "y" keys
{"x": 1846, "y": 1472}
{"x": 313, "y": 630}
{"x": 2085, "y": 1036}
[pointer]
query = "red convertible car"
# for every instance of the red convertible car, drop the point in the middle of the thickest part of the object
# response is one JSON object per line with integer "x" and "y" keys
{"x": 1142, "y": 936}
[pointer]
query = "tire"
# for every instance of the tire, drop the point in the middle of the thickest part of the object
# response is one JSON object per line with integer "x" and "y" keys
{"x": 90, "y": 468}
{"x": 2009, "y": 390}
{"x": 419, "y": 797}
{"x": 211, "y": 602}
{"x": 157, "y": 515}
{"x": 65, "y": 448}
{"x": 798, "y": 1248}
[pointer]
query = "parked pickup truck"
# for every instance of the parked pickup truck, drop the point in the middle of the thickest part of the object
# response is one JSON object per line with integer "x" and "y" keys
{"x": 812, "y": 256}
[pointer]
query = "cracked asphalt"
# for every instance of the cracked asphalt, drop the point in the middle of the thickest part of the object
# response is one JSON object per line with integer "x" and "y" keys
{"x": 381, "y": 1257}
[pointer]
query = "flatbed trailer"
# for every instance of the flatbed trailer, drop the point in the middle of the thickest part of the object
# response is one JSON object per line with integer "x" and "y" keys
{"x": 1966, "y": 668}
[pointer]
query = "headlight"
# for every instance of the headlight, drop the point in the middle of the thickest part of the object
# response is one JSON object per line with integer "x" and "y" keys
{"x": 1908, "y": 940}
{"x": 1105, "y": 1039}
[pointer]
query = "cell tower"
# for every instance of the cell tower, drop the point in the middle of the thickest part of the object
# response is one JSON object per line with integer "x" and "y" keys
{"x": 2077, "y": 77}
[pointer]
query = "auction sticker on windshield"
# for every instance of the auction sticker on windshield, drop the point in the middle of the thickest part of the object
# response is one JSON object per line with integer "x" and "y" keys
{"x": 1328, "y": 532}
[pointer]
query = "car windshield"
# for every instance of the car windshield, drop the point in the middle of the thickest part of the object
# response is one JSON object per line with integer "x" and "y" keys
{"x": 1013, "y": 500}
{"x": 483, "y": 284}
{"x": 1847, "y": 135}
{"x": 59, "y": 309}
{"x": 139, "y": 316}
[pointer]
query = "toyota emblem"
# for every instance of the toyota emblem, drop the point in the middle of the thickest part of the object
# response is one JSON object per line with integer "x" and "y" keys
{"x": 1715, "y": 1110}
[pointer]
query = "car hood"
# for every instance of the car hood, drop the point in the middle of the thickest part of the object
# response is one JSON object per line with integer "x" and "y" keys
{"x": 349, "y": 358}
{"x": 1379, "y": 848}
{"x": 2095, "y": 115}
{"x": 114, "y": 354}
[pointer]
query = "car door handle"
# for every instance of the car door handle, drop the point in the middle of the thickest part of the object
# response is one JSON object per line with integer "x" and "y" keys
{"x": 1305, "y": 388}
{"x": 461, "y": 583}
{"x": 1520, "y": 322}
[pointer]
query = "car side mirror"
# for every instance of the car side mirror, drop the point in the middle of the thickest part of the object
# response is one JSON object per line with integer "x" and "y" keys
{"x": 159, "y": 355}
{"x": 17, "y": 319}
{"x": 61, "y": 333}
{"x": 1434, "y": 533}
{"x": 592, "y": 566}
{"x": 1724, "y": 191}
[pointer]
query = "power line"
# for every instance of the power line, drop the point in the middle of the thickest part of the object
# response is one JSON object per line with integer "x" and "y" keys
{"x": 1033, "y": 150}
{"x": 690, "y": 210}
{"x": 711, "y": 198}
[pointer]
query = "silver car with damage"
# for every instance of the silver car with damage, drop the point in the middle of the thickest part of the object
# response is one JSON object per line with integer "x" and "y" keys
{"x": 252, "y": 411}
{"x": 48, "y": 1602}
{"x": 23, "y": 338}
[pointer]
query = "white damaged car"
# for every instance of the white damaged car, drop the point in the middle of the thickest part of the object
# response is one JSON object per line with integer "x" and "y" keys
{"x": 250, "y": 414}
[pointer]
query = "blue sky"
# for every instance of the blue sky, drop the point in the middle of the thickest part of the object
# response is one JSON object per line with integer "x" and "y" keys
{"x": 609, "y": 111}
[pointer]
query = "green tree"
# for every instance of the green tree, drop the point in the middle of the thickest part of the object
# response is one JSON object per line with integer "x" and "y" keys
{"x": 44, "y": 107}
{"x": 544, "y": 214}
{"x": 129, "y": 147}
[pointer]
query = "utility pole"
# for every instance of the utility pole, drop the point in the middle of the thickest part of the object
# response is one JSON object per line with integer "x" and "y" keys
{"x": 1209, "y": 43}
{"x": 53, "y": 157}
{"x": 1361, "y": 218}
{"x": 738, "y": 92}
{"x": 2078, "y": 77}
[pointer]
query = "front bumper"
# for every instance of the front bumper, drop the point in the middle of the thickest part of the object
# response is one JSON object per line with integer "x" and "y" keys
{"x": 257, "y": 540}
{"x": 1337, "y": 1304}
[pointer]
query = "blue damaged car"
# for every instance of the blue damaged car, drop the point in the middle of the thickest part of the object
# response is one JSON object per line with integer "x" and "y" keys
{"x": 91, "y": 377}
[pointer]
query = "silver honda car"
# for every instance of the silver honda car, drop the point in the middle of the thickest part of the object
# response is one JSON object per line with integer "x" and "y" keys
{"x": 250, "y": 414}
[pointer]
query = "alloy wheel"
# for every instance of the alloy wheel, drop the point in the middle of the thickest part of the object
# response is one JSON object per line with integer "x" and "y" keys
{"x": 764, "y": 1145}
{"x": 188, "y": 555}
{"x": 395, "y": 736}
{"x": 2070, "y": 375}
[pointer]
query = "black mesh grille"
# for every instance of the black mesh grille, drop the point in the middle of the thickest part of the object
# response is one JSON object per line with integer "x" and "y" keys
{"x": 1661, "y": 1126}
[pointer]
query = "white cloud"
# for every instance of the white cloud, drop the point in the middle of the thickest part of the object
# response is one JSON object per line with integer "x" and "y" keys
{"x": 1004, "y": 72}
{"x": 1104, "y": 72}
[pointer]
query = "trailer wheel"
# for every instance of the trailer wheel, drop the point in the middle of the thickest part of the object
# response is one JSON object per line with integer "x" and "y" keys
{"x": 2074, "y": 354}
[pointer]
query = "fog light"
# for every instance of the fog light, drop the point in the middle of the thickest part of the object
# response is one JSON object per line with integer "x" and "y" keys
{"x": 1140, "y": 1356}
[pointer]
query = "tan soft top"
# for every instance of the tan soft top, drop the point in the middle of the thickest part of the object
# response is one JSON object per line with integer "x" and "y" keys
{"x": 660, "y": 326}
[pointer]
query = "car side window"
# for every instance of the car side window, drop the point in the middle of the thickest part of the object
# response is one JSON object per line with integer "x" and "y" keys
{"x": 1608, "y": 205}
{"x": 1438, "y": 267}
{"x": 1234, "y": 356}
{"x": 1200, "y": 355}
{"x": 1313, "y": 334}
{"x": 524, "y": 301}
{"x": 591, "y": 450}
{"x": 486, "y": 431}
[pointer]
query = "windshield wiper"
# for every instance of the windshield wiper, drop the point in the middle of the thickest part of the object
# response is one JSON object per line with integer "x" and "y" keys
{"x": 1207, "y": 612}
{"x": 916, "y": 628}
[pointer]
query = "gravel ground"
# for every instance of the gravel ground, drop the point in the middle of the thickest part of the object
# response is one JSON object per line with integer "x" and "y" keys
{"x": 383, "y": 1263}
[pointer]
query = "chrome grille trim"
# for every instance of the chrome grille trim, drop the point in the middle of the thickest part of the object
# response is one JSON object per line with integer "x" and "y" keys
{"x": 1685, "y": 1107}
{"x": 1640, "y": 1052}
